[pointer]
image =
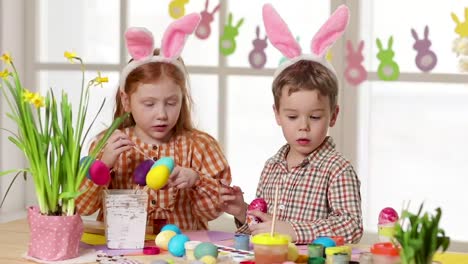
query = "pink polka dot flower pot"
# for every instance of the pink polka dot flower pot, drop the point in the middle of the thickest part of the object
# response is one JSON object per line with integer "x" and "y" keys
{"x": 53, "y": 238}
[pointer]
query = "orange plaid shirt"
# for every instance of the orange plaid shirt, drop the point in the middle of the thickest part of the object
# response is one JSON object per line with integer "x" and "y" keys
{"x": 190, "y": 209}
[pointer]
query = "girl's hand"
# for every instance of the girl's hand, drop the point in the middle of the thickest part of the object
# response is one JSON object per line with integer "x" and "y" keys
{"x": 182, "y": 178}
{"x": 232, "y": 200}
{"x": 281, "y": 227}
{"x": 117, "y": 143}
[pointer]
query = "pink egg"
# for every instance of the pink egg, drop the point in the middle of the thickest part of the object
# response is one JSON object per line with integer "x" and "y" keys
{"x": 258, "y": 204}
{"x": 100, "y": 173}
{"x": 388, "y": 215}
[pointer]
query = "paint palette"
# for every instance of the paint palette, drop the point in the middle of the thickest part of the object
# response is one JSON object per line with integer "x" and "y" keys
{"x": 233, "y": 254}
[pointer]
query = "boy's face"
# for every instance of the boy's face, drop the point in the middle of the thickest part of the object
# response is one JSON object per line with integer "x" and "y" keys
{"x": 304, "y": 117}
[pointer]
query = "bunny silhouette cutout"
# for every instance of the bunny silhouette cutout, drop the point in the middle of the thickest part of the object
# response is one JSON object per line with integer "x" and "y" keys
{"x": 388, "y": 69}
{"x": 461, "y": 28}
{"x": 204, "y": 29}
{"x": 355, "y": 73}
{"x": 227, "y": 42}
{"x": 426, "y": 59}
{"x": 177, "y": 8}
{"x": 257, "y": 57}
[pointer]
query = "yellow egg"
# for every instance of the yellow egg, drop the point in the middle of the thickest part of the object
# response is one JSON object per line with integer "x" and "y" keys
{"x": 293, "y": 252}
{"x": 162, "y": 239}
{"x": 157, "y": 177}
{"x": 208, "y": 259}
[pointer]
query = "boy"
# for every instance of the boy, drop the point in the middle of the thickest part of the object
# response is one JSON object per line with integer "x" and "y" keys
{"x": 318, "y": 188}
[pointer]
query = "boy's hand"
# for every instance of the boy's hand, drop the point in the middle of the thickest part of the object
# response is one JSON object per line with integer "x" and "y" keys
{"x": 182, "y": 178}
{"x": 117, "y": 143}
{"x": 232, "y": 200}
{"x": 281, "y": 227}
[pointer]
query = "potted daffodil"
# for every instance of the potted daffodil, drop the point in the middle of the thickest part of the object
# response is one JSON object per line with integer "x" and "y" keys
{"x": 51, "y": 138}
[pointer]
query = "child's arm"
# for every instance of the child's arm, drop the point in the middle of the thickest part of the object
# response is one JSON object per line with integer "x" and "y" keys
{"x": 212, "y": 168}
{"x": 344, "y": 217}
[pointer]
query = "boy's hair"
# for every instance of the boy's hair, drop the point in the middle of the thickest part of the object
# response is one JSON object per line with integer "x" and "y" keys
{"x": 306, "y": 75}
{"x": 153, "y": 72}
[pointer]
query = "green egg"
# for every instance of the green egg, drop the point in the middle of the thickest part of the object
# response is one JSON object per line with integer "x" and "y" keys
{"x": 205, "y": 249}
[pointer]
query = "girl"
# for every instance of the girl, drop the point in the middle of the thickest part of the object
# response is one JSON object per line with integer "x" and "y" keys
{"x": 153, "y": 88}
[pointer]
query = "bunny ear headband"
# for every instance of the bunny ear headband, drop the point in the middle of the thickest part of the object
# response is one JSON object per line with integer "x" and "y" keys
{"x": 279, "y": 35}
{"x": 140, "y": 45}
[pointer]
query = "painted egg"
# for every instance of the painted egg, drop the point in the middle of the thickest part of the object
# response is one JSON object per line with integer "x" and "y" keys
{"x": 325, "y": 241}
{"x": 208, "y": 259}
{"x": 159, "y": 261}
{"x": 176, "y": 245}
{"x": 166, "y": 161}
{"x": 139, "y": 175}
{"x": 258, "y": 204}
{"x": 157, "y": 177}
{"x": 163, "y": 238}
{"x": 293, "y": 252}
{"x": 388, "y": 215}
{"x": 204, "y": 249}
{"x": 100, "y": 173}
{"x": 171, "y": 227}
{"x": 82, "y": 160}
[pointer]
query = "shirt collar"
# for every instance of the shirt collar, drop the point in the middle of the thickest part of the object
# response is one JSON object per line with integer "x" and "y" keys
{"x": 313, "y": 158}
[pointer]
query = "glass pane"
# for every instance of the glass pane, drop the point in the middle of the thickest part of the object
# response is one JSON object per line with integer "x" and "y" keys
{"x": 154, "y": 15}
{"x": 70, "y": 82}
{"x": 417, "y": 150}
{"x": 303, "y": 17}
{"x": 252, "y": 133}
{"x": 89, "y": 28}
{"x": 204, "y": 89}
{"x": 379, "y": 20}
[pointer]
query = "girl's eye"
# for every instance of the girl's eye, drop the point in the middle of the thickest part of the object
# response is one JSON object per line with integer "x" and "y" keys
{"x": 148, "y": 104}
{"x": 171, "y": 103}
{"x": 315, "y": 117}
{"x": 292, "y": 117}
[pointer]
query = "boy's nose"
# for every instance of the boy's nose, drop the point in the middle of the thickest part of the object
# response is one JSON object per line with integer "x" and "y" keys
{"x": 304, "y": 126}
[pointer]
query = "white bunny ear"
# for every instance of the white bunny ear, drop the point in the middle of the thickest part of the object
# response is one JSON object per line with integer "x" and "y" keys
{"x": 176, "y": 34}
{"x": 278, "y": 33}
{"x": 139, "y": 43}
{"x": 330, "y": 31}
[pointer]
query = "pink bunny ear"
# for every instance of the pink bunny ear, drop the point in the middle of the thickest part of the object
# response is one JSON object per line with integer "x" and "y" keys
{"x": 278, "y": 33}
{"x": 174, "y": 38}
{"x": 330, "y": 31}
{"x": 140, "y": 43}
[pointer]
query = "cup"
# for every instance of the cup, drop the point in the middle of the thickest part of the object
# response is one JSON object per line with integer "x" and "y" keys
{"x": 158, "y": 224}
{"x": 241, "y": 242}
{"x": 386, "y": 232}
{"x": 270, "y": 249}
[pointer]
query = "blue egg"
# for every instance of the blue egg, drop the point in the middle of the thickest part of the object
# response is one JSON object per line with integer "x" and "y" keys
{"x": 166, "y": 161}
{"x": 177, "y": 245}
{"x": 82, "y": 160}
{"x": 172, "y": 227}
{"x": 325, "y": 241}
{"x": 205, "y": 248}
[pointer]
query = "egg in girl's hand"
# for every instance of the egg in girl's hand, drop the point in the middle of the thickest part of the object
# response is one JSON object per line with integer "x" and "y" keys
{"x": 139, "y": 175}
{"x": 256, "y": 204}
{"x": 83, "y": 160}
{"x": 157, "y": 177}
{"x": 163, "y": 238}
{"x": 99, "y": 173}
{"x": 171, "y": 227}
{"x": 166, "y": 161}
{"x": 204, "y": 249}
{"x": 176, "y": 245}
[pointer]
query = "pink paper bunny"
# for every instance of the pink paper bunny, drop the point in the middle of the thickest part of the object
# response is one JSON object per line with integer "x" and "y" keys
{"x": 140, "y": 44}
{"x": 257, "y": 57}
{"x": 355, "y": 72}
{"x": 426, "y": 59}
{"x": 279, "y": 35}
{"x": 204, "y": 29}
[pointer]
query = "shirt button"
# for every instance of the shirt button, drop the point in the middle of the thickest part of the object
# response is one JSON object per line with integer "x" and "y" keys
{"x": 155, "y": 147}
{"x": 281, "y": 206}
{"x": 155, "y": 158}
{"x": 153, "y": 202}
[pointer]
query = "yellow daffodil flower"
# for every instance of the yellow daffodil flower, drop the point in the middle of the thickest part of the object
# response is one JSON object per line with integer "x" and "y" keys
{"x": 27, "y": 96}
{"x": 70, "y": 56}
{"x": 99, "y": 80}
{"x": 38, "y": 100}
{"x": 4, "y": 74}
{"x": 6, "y": 57}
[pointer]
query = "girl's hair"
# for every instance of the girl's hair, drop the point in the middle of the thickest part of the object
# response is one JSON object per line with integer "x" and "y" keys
{"x": 153, "y": 72}
{"x": 306, "y": 75}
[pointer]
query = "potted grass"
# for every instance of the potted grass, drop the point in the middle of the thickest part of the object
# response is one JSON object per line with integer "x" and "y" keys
{"x": 51, "y": 138}
{"x": 420, "y": 236}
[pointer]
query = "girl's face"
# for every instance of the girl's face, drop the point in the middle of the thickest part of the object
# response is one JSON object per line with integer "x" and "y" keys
{"x": 304, "y": 117}
{"x": 155, "y": 107}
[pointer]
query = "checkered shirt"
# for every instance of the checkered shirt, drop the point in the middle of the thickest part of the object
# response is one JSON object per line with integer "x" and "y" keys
{"x": 318, "y": 197}
{"x": 190, "y": 209}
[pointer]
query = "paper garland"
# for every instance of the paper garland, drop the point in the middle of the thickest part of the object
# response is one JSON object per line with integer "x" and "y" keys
{"x": 425, "y": 59}
{"x": 204, "y": 28}
{"x": 177, "y": 8}
{"x": 388, "y": 69}
{"x": 227, "y": 42}
{"x": 355, "y": 73}
{"x": 257, "y": 57}
{"x": 460, "y": 44}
